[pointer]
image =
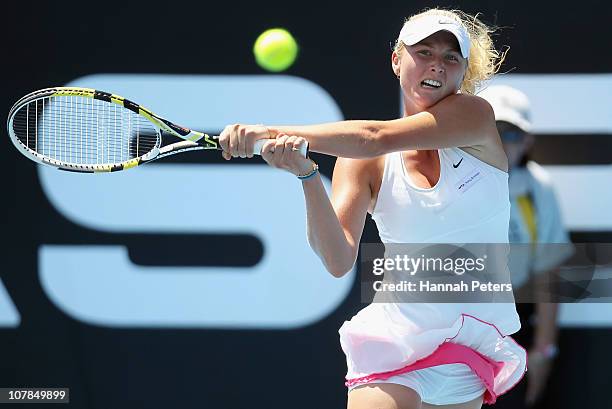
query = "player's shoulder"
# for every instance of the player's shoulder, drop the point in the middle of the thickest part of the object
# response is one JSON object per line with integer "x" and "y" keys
{"x": 481, "y": 116}
{"x": 487, "y": 146}
{"x": 474, "y": 105}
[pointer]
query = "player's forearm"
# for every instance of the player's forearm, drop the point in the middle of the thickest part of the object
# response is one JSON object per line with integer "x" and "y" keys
{"x": 545, "y": 314}
{"x": 546, "y": 329}
{"x": 325, "y": 233}
{"x": 348, "y": 139}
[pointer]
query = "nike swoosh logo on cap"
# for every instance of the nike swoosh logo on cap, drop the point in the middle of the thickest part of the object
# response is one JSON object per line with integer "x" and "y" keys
{"x": 457, "y": 165}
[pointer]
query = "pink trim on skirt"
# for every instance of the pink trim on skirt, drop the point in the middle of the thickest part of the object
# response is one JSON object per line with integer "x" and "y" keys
{"x": 448, "y": 353}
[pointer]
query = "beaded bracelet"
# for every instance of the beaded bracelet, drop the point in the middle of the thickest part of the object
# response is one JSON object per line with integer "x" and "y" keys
{"x": 314, "y": 171}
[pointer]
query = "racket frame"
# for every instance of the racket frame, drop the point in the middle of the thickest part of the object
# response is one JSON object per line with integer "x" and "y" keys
{"x": 192, "y": 140}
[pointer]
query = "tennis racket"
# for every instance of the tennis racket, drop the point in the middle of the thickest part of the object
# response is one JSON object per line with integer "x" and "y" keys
{"x": 92, "y": 131}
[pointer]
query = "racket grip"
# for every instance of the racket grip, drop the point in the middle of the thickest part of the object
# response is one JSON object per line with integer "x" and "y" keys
{"x": 260, "y": 143}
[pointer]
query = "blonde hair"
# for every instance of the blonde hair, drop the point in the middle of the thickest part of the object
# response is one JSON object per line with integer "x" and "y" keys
{"x": 484, "y": 60}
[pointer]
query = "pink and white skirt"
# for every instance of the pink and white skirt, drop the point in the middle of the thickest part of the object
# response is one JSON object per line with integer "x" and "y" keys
{"x": 381, "y": 342}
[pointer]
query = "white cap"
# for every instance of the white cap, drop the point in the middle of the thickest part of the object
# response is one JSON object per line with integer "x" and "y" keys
{"x": 423, "y": 26}
{"x": 509, "y": 105}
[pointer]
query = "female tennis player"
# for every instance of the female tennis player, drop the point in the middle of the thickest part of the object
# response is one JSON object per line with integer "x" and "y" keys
{"x": 436, "y": 175}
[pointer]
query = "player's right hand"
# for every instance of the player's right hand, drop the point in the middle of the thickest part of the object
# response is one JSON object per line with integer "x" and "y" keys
{"x": 238, "y": 140}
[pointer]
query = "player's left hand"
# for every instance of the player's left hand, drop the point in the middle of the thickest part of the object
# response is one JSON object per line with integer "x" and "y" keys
{"x": 284, "y": 153}
{"x": 537, "y": 377}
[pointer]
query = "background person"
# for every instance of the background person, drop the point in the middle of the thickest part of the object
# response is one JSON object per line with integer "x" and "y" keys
{"x": 535, "y": 219}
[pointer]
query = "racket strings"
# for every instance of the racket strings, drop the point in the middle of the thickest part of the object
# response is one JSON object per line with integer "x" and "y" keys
{"x": 84, "y": 131}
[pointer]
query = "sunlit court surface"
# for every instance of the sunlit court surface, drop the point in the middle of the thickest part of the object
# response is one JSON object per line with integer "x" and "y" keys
{"x": 321, "y": 205}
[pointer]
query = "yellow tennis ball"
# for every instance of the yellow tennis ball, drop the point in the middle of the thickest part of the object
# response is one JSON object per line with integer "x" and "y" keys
{"x": 275, "y": 49}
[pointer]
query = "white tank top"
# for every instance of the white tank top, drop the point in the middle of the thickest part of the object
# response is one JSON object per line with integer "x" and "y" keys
{"x": 469, "y": 204}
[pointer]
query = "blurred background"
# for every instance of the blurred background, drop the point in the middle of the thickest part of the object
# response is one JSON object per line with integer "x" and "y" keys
{"x": 203, "y": 293}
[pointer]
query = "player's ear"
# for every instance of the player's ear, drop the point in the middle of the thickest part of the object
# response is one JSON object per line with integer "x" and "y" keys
{"x": 395, "y": 63}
